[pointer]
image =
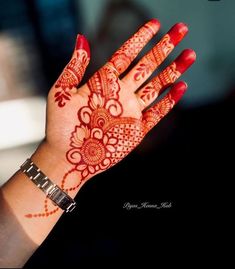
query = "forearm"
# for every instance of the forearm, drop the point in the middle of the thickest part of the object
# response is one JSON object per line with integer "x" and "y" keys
{"x": 24, "y": 221}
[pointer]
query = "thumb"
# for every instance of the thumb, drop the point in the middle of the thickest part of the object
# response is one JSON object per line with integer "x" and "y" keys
{"x": 73, "y": 72}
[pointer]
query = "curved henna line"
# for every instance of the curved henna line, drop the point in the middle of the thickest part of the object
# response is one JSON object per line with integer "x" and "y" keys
{"x": 84, "y": 114}
{"x": 158, "y": 111}
{"x": 45, "y": 213}
{"x": 70, "y": 155}
{"x": 114, "y": 107}
{"x": 64, "y": 181}
{"x": 71, "y": 76}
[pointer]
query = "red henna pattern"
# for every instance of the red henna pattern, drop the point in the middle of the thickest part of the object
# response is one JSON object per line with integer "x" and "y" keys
{"x": 156, "y": 113}
{"x": 128, "y": 51}
{"x": 159, "y": 52}
{"x": 73, "y": 72}
{"x": 164, "y": 79}
{"x": 167, "y": 77}
{"x": 142, "y": 70}
{"x": 103, "y": 136}
{"x": 154, "y": 58}
{"x": 46, "y": 212}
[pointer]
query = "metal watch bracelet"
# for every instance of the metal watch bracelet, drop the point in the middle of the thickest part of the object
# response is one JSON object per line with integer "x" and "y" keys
{"x": 52, "y": 191}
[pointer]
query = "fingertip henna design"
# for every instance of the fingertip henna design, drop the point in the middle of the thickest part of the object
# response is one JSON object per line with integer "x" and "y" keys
{"x": 73, "y": 72}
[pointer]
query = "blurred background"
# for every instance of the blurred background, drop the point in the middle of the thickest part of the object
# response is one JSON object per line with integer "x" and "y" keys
{"x": 179, "y": 159}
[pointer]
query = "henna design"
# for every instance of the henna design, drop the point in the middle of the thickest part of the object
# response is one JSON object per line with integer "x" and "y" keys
{"x": 71, "y": 77}
{"x": 93, "y": 143}
{"x": 103, "y": 136}
{"x": 129, "y": 50}
{"x": 46, "y": 212}
{"x": 167, "y": 77}
{"x": 164, "y": 79}
{"x": 156, "y": 113}
{"x": 73, "y": 72}
{"x": 154, "y": 58}
{"x": 157, "y": 54}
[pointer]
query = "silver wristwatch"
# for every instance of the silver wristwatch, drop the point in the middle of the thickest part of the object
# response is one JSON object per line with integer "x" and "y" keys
{"x": 52, "y": 191}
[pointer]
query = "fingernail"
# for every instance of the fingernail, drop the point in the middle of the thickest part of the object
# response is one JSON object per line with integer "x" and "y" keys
{"x": 155, "y": 21}
{"x": 185, "y": 60}
{"x": 182, "y": 86}
{"x": 82, "y": 43}
{"x": 178, "y": 90}
{"x": 178, "y": 32}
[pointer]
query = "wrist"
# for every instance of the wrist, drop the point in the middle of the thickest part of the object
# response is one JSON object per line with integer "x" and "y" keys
{"x": 58, "y": 169}
{"x": 50, "y": 162}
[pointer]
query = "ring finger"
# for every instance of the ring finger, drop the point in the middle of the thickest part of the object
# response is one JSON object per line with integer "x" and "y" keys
{"x": 168, "y": 76}
{"x": 146, "y": 66}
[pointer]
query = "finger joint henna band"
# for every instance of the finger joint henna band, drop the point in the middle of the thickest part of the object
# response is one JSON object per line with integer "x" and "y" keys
{"x": 52, "y": 191}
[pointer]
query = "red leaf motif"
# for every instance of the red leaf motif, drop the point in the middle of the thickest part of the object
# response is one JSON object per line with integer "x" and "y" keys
{"x": 142, "y": 71}
{"x": 57, "y": 94}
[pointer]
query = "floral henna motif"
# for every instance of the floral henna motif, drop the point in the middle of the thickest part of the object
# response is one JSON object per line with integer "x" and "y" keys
{"x": 99, "y": 141}
{"x": 73, "y": 72}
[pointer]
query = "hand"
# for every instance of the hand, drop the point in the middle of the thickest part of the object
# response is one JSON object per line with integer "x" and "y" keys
{"x": 95, "y": 126}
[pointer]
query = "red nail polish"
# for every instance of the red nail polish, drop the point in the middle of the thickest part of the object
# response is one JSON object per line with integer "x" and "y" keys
{"x": 185, "y": 60}
{"x": 178, "y": 90}
{"x": 155, "y": 21}
{"x": 178, "y": 32}
{"x": 82, "y": 43}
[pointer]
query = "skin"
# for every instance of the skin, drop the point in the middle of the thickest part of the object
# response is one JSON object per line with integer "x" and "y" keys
{"x": 91, "y": 128}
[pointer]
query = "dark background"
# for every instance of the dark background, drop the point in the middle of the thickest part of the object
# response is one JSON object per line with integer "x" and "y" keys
{"x": 183, "y": 161}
